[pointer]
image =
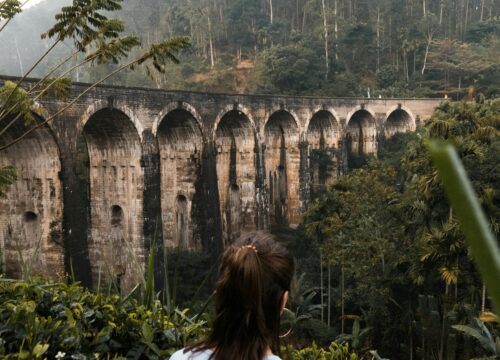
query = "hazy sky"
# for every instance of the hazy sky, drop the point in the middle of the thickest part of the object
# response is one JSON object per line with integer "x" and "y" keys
{"x": 32, "y": 2}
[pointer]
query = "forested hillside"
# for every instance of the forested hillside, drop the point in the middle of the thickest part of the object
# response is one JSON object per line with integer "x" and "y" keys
{"x": 308, "y": 47}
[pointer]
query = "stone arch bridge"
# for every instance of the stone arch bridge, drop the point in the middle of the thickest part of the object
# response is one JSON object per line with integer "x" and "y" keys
{"x": 123, "y": 164}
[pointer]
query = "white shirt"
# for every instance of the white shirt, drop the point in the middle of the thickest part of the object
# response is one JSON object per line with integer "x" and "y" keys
{"x": 205, "y": 355}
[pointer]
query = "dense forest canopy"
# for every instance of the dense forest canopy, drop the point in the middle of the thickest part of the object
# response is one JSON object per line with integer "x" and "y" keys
{"x": 396, "y": 250}
{"x": 315, "y": 47}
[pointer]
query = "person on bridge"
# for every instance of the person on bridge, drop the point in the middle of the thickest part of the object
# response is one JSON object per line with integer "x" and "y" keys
{"x": 251, "y": 292}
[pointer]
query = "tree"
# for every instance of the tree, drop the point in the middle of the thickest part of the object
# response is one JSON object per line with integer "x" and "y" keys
{"x": 429, "y": 25}
{"x": 389, "y": 229}
{"x": 358, "y": 224}
{"x": 358, "y": 47}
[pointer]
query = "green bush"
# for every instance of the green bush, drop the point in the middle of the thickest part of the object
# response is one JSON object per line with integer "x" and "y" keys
{"x": 41, "y": 320}
{"x": 334, "y": 352}
{"x": 56, "y": 321}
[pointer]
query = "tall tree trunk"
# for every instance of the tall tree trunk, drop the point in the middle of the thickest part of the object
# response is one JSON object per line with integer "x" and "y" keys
{"x": 482, "y": 10}
{"x": 390, "y": 36}
{"x": 321, "y": 286}
{"x": 443, "y": 326}
{"x": 441, "y": 11}
{"x": 378, "y": 39}
{"x": 424, "y": 8}
{"x": 336, "y": 28}
{"x": 466, "y": 15}
{"x": 414, "y": 61}
{"x": 483, "y": 299}
{"x": 212, "y": 59}
{"x": 271, "y": 11}
{"x": 329, "y": 294}
{"x": 325, "y": 32}
{"x": 429, "y": 40}
{"x": 21, "y": 69}
{"x": 407, "y": 71}
{"x": 342, "y": 290}
{"x": 411, "y": 341}
{"x": 304, "y": 18}
{"x": 297, "y": 14}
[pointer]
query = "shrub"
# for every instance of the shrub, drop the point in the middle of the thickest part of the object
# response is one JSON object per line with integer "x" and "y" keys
{"x": 334, "y": 352}
{"x": 41, "y": 320}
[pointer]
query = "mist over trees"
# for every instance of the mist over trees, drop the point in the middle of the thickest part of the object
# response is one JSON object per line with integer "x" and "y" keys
{"x": 390, "y": 48}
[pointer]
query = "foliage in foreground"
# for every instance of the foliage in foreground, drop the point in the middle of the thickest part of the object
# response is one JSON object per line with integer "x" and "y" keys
{"x": 42, "y": 320}
{"x": 334, "y": 352}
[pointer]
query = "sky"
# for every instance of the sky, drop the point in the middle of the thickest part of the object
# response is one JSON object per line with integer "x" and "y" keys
{"x": 32, "y": 2}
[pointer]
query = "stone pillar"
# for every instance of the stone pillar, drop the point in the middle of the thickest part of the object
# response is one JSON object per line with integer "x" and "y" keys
{"x": 261, "y": 196}
{"x": 76, "y": 220}
{"x": 212, "y": 228}
{"x": 305, "y": 175}
{"x": 152, "y": 225}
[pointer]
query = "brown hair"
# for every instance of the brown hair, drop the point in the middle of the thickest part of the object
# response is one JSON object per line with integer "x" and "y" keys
{"x": 255, "y": 273}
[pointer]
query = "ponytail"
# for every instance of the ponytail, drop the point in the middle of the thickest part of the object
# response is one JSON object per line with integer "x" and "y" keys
{"x": 255, "y": 273}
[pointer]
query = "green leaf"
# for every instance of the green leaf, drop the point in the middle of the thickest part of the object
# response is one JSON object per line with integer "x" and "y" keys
{"x": 40, "y": 349}
{"x": 17, "y": 102}
{"x": 70, "y": 319}
{"x": 136, "y": 352}
{"x": 149, "y": 296}
{"x": 155, "y": 348}
{"x": 482, "y": 242}
{"x": 147, "y": 333}
{"x": 59, "y": 88}
{"x": 485, "y": 342}
{"x": 9, "y": 9}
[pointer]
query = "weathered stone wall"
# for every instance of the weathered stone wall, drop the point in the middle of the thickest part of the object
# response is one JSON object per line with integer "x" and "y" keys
{"x": 31, "y": 239}
{"x": 323, "y": 144}
{"x": 116, "y": 190}
{"x": 180, "y": 144}
{"x": 208, "y": 166}
{"x": 282, "y": 164}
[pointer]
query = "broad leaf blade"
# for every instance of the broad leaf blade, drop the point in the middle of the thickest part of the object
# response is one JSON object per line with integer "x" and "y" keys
{"x": 482, "y": 242}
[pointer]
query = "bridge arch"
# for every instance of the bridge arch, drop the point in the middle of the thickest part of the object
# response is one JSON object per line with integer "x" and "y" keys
{"x": 360, "y": 108}
{"x": 323, "y": 123}
{"x": 399, "y": 119}
{"x": 360, "y": 136}
{"x": 236, "y": 173}
{"x": 292, "y": 116}
{"x": 31, "y": 210}
{"x": 322, "y": 136}
{"x": 228, "y": 109}
{"x": 282, "y": 164}
{"x": 180, "y": 105}
{"x": 320, "y": 109}
{"x": 100, "y": 105}
{"x": 112, "y": 144}
{"x": 180, "y": 145}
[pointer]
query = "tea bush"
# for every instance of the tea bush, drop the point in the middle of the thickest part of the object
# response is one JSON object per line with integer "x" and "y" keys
{"x": 48, "y": 321}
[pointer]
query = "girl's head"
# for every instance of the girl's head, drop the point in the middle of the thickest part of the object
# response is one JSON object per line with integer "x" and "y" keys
{"x": 251, "y": 292}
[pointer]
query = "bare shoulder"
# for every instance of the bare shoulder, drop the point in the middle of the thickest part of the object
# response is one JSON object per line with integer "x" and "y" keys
{"x": 189, "y": 355}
